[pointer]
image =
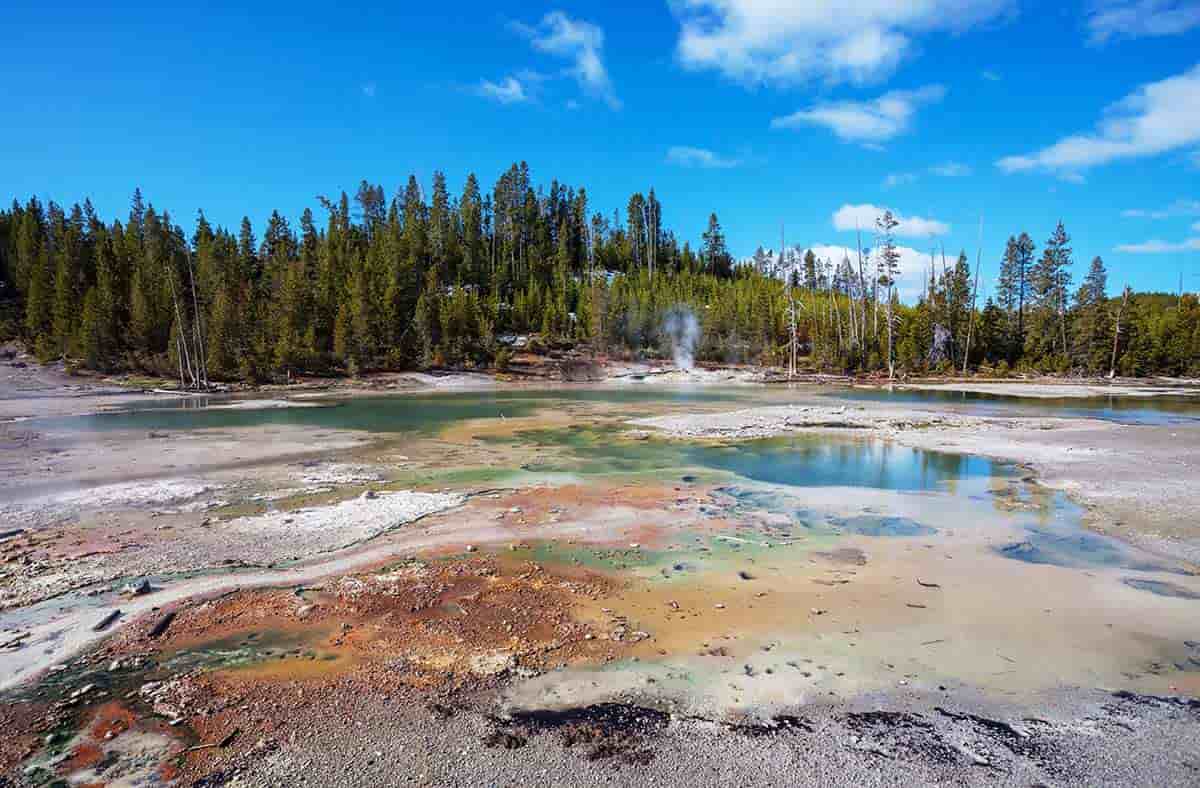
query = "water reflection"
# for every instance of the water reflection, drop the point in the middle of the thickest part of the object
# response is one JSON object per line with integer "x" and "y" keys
{"x": 809, "y": 462}
{"x": 424, "y": 414}
{"x": 1169, "y": 409}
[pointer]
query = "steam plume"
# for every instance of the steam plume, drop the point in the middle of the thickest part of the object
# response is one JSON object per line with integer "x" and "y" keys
{"x": 683, "y": 331}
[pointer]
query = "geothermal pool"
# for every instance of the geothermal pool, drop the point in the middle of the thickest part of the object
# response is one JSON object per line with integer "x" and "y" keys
{"x": 728, "y": 578}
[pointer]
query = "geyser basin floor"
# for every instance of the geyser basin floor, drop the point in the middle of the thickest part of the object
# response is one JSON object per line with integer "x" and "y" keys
{"x": 727, "y": 579}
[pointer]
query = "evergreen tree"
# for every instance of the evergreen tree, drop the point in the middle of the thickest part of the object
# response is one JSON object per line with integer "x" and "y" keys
{"x": 715, "y": 254}
{"x": 390, "y": 284}
{"x": 1046, "y": 344}
{"x": 1012, "y": 289}
{"x": 427, "y": 320}
{"x": 1092, "y": 332}
{"x": 888, "y": 268}
{"x": 810, "y": 270}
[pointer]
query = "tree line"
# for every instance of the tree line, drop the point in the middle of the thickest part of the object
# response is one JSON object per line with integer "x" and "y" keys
{"x": 441, "y": 280}
{"x": 1035, "y": 322}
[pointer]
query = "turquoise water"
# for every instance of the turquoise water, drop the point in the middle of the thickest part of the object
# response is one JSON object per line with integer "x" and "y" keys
{"x": 796, "y": 461}
{"x": 424, "y": 414}
{"x": 809, "y": 461}
{"x": 1119, "y": 409}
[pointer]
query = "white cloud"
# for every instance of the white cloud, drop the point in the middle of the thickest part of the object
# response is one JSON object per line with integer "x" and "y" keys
{"x": 1156, "y": 118}
{"x": 862, "y": 217}
{"x": 1196, "y": 227}
{"x": 1177, "y": 208}
{"x": 914, "y": 267}
{"x": 951, "y": 169}
{"x": 785, "y": 43}
{"x": 685, "y": 156}
{"x": 581, "y": 42}
{"x": 866, "y": 122}
{"x": 507, "y": 91}
{"x": 899, "y": 179}
{"x": 1157, "y": 246}
{"x": 1109, "y": 19}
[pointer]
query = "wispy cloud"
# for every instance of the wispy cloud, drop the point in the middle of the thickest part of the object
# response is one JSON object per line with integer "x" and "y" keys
{"x": 578, "y": 41}
{"x": 369, "y": 89}
{"x": 1110, "y": 19}
{"x": 1177, "y": 208}
{"x": 951, "y": 169}
{"x": 785, "y": 43}
{"x": 899, "y": 179}
{"x": 862, "y": 217}
{"x": 686, "y": 156}
{"x": 1156, "y": 246}
{"x": 509, "y": 90}
{"x": 865, "y": 122}
{"x": 1156, "y": 118}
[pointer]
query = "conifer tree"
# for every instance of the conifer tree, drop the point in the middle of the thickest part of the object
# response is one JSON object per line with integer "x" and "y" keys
{"x": 888, "y": 268}
{"x": 1092, "y": 329}
{"x": 1013, "y": 288}
{"x": 1046, "y": 344}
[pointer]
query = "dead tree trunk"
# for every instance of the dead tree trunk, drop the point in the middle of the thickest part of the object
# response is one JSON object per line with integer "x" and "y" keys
{"x": 197, "y": 328}
{"x": 974, "y": 296}
{"x": 1112, "y": 367}
{"x": 180, "y": 336}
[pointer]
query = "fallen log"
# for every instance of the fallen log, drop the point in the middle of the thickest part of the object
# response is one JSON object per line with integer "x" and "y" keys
{"x": 161, "y": 625}
{"x": 107, "y": 621}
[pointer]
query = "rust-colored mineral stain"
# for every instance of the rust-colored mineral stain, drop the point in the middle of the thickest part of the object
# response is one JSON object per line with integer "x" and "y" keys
{"x": 111, "y": 720}
{"x": 86, "y": 753}
{"x": 445, "y": 616}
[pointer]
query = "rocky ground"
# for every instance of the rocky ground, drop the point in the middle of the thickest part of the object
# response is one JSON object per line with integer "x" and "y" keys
{"x": 398, "y": 661}
{"x": 397, "y": 677}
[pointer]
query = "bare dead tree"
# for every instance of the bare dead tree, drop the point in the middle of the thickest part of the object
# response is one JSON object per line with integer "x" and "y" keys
{"x": 851, "y": 319}
{"x": 1112, "y": 367}
{"x": 787, "y": 282}
{"x": 197, "y": 326}
{"x": 180, "y": 335}
{"x": 862, "y": 286}
{"x": 974, "y": 296}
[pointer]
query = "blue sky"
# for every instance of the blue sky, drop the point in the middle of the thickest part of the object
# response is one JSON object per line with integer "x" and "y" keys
{"x": 765, "y": 111}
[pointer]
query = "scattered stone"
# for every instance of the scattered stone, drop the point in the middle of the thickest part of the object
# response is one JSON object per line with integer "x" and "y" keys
{"x": 137, "y": 588}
